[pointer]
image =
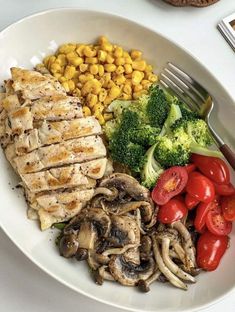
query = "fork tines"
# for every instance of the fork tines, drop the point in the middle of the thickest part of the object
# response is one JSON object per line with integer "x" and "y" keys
{"x": 186, "y": 88}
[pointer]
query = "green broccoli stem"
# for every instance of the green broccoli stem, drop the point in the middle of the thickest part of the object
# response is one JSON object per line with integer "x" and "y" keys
{"x": 174, "y": 114}
{"x": 198, "y": 149}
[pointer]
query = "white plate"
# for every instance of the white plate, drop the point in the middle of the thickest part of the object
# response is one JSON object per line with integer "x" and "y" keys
{"x": 25, "y": 43}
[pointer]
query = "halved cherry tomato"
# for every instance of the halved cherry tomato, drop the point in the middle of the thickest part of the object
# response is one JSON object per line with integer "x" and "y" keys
{"x": 212, "y": 167}
{"x": 200, "y": 187}
{"x": 201, "y": 213}
{"x": 191, "y": 202}
{"x": 224, "y": 189}
{"x": 217, "y": 224}
{"x": 210, "y": 250}
{"x": 190, "y": 168}
{"x": 228, "y": 207}
{"x": 172, "y": 211}
{"x": 171, "y": 183}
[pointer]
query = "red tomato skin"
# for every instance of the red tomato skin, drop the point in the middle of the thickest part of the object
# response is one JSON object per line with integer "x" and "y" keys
{"x": 224, "y": 189}
{"x": 172, "y": 211}
{"x": 190, "y": 168}
{"x": 228, "y": 207}
{"x": 191, "y": 202}
{"x": 200, "y": 187}
{"x": 201, "y": 213}
{"x": 217, "y": 224}
{"x": 210, "y": 250}
{"x": 212, "y": 167}
{"x": 165, "y": 188}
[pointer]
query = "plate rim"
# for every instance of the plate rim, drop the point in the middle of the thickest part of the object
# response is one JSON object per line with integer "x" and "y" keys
{"x": 27, "y": 254}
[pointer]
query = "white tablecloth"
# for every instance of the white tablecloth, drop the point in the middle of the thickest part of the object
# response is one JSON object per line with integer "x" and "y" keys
{"x": 24, "y": 287}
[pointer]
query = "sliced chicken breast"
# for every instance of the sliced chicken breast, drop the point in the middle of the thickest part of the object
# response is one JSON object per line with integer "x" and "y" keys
{"x": 54, "y": 132}
{"x": 64, "y": 153}
{"x": 65, "y": 177}
{"x": 34, "y": 85}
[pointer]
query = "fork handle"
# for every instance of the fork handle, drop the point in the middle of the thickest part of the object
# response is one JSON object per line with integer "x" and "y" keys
{"x": 228, "y": 154}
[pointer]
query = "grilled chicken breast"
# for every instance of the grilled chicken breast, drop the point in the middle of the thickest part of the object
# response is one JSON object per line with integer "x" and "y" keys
{"x": 57, "y": 152}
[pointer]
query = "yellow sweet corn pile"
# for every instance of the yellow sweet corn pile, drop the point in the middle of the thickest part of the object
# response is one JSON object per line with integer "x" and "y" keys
{"x": 100, "y": 73}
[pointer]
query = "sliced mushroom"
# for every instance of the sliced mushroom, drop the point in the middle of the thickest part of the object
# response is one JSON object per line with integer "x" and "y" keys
{"x": 174, "y": 280}
{"x": 105, "y": 274}
{"x": 118, "y": 251}
{"x": 103, "y": 193}
{"x": 128, "y": 184}
{"x": 68, "y": 245}
{"x": 187, "y": 243}
{"x": 127, "y": 273}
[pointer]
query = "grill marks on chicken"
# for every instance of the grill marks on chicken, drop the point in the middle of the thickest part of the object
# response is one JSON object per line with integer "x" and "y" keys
{"x": 57, "y": 152}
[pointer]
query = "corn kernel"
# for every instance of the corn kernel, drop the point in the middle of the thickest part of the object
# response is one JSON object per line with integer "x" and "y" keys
{"x": 149, "y": 68}
{"x": 146, "y": 84}
{"x": 83, "y": 67}
{"x": 102, "y": 95}
{"x": 82, "y": 78}
{"x": 88, "y": 52}
{"x": 86, "y": 111}
{"x": 51, "y": 60}
{"x": 110, "y": 68}
{"x": 71, "y": 85}
{"x": 118, "y": 52}
{"x": 109, "y": 59}
{"x": 76, "y": 61}
{"x": 120, "y": 70}
{"x": 126, "y": 96}
{"x": 127, "y": 89}
{"x": 114, "y": 92}
{"x": 91, "y": 60}
{"x": 66, "y": 86}
{"x": 102, "y": 56}
{"x": 109, "y": 84}
{"x": 128, "y": 69}
{"x": 101, "y": 70}
{"x": 108, "y": 116}
{"x": 100, "y": 118}
{"x": 62, "y": 59}
{"x": 152, "y": 78}
{"x": 136, "y": 77}
{"x": 120, "y": 61}
{"x": 57, "y": 75}
{"x": 138, "y": 88}
{"x": 107, "y": 47}
{"x": 102, "y": 40}
{"x": 69, "y": 72}
{"x": 91, "y": 99}
{"x": 107, "y": 101}
{"x": 80, "y": 49}
{"x": 71, "y": 55}
{"x": 98, "y": 108}
{"x": 77, "y": 92}
{"x": 91, "y": 86}
{"x": 94, "y": 69}
{"x": 119, "y": 79}
{"x": 55, "y": 68}
{"x": 67, "y": 48}
{"x": 135, "y": 54}
{"x": 46, "y": 60}
{"x": 136, "y": 95}
{"x": 128, "y": 60}
{"x": 62, "y": 79}
{"x": 139, "y": 65}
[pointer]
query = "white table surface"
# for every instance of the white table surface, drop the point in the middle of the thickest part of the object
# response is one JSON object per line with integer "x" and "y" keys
{"x": 24, "y": 287}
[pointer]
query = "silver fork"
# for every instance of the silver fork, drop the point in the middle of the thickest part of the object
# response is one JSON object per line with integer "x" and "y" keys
{"x": 197, "y": 98}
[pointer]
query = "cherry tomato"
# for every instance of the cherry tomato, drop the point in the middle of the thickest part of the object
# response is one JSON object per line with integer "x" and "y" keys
{"x": 210, "y": 250}
{"x": 228, "y": 207}
{"x": 200, "y": 187}
{"x": 212, "y": 167}
{"x": 217, "y": 224}
{"x": 191, "y": 202}
{"x": 171, "y": 183}
{"x": 201, "y": 213}
{"x": 224, "y": 189}
{"x": 172, "y": 211}
{"x": 190, "y": 168}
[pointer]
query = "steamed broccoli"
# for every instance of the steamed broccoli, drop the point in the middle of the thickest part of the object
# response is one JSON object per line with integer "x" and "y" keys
{"x": 145, "y": 135}
{"x": 151, "y": 170}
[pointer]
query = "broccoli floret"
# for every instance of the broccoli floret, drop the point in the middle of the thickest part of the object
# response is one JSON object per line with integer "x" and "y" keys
{"x": 145, "y": 135}
{"x": 157, "y": 107}
{"x": 151, "y": 169}
{"x": 173, "y": 115}
{"x": 173, "y": 150}
{"x": 122, "y": 149}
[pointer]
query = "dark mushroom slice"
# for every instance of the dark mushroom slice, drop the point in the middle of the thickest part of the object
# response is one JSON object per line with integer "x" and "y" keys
{"x": 68, "y": 245}
{"x": 174, "y": 280}
{"x": 103, "y": 193}
{"x": 129, "y": 274}
{"x": 128, "y": 184}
